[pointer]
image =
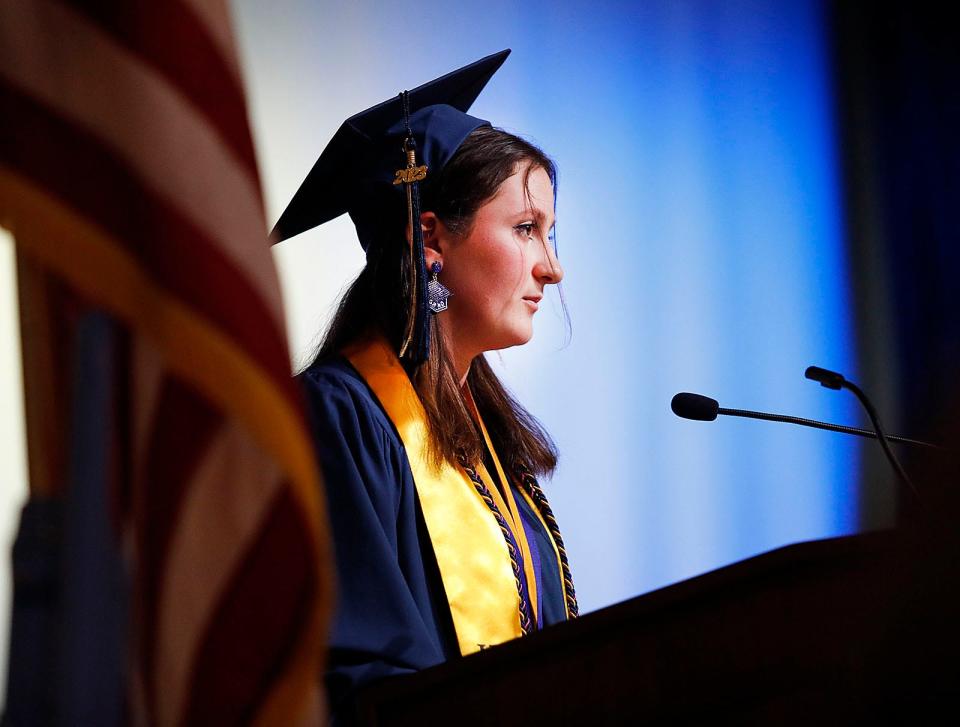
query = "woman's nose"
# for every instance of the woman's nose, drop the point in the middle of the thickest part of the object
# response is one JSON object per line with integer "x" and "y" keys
{"x": 548, "y": 269}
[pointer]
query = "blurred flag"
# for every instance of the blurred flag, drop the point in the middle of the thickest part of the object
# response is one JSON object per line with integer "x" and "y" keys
{"x": 127, "y": 170}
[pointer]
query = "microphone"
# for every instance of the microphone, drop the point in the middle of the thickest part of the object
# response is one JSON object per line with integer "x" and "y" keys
{"x": 704, "y": 409}
{"x": 833, "y": 380}
{"x": 695, "y": 406}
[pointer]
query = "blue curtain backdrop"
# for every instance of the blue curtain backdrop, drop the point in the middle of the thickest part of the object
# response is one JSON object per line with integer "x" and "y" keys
{"x": 699, "y": 224}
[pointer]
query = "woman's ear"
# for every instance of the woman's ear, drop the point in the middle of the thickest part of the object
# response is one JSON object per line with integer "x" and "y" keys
{"x": 433, "y": 238}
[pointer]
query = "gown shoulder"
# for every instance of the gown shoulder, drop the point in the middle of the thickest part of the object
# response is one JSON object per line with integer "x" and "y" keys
{"x": 390, "y": 617}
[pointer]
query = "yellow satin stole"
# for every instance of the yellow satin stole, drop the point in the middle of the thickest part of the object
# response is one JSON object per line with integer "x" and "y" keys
{"x": 470, "y": 549}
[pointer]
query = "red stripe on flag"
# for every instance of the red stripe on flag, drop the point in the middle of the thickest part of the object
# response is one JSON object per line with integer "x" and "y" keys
{"x": 260, "y": 615}
{"x": 171, "y": 39}
{"x": 182, "y": 429}
{"x": 77, "y": 168}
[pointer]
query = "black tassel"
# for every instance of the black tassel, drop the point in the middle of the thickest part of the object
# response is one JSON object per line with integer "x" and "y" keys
{"x": 420, "y": 342}
{"x": 416, "y": 340}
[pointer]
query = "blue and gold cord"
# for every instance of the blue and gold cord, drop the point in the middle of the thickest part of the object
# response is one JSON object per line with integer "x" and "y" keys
{"x": 516, "y": 558}
{"x": 533, "y": 489}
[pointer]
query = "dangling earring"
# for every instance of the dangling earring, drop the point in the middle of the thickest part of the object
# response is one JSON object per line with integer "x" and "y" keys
{"x": 437, "y": 293}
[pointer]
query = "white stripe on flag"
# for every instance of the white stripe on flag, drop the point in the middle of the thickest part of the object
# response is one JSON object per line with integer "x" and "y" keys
{"x": 224, "y": 506}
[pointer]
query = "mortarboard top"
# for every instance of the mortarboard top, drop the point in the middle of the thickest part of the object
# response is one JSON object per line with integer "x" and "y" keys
{"x": 356, "y": 171}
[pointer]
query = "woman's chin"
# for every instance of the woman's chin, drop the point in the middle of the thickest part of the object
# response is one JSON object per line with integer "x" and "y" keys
{"x": 518, "y": 337}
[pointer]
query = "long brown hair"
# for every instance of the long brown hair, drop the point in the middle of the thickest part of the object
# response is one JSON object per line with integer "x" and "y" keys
{"x": 375, "y": 304}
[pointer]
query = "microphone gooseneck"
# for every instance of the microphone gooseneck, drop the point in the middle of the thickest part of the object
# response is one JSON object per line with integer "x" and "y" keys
{"x": 833, "y": 380}
{"x": 704, "y": 409}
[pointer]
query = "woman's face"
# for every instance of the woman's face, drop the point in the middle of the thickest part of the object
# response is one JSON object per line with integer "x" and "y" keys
{"x": 498, "y": 271}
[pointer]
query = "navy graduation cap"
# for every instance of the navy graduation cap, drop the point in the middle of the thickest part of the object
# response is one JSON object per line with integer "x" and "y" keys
{"x": 372, "y": 168}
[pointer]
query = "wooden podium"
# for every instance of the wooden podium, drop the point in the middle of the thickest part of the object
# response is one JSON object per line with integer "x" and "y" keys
{"x": 842, "y": 631}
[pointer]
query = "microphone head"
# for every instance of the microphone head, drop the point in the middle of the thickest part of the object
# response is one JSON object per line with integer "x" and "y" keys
{"x": 829, "y": 379}
{"x": 695, "y": 406}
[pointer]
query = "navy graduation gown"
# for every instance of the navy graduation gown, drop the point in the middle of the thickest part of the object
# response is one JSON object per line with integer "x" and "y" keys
{"x": 391, "y": 615}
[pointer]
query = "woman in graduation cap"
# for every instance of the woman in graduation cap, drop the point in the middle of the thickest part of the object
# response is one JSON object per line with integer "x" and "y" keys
{"x": 444, "y": 541}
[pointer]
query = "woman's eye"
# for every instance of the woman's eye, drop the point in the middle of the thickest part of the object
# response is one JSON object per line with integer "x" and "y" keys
{"x": 526, "y": 228}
